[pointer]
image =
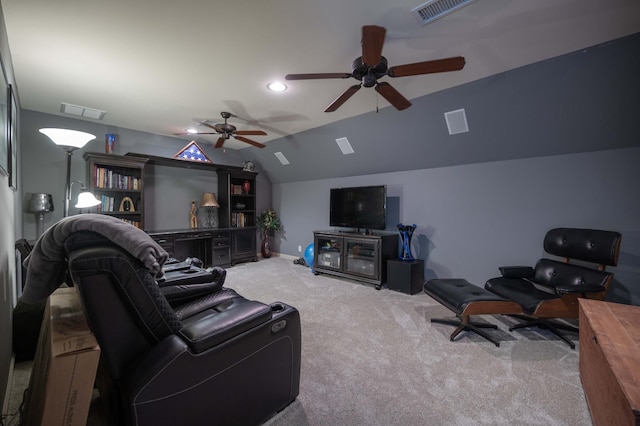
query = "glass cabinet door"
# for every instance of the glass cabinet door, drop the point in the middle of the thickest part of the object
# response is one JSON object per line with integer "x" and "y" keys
{"x": 361, "y": 257}
{"x": 328, "y": 253}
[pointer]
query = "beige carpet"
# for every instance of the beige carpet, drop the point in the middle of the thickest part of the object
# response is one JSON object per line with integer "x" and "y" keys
{"x": 373, "y": 358}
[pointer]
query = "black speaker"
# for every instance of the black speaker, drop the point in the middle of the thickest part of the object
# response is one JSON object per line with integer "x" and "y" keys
{"x": 405, "y": 276}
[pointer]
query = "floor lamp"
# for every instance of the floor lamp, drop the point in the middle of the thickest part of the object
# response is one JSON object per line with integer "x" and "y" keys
{"x": 69, "y": 141}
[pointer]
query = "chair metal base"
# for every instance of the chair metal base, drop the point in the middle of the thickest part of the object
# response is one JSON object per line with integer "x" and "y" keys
{"x": 465, "y": 324}
{"x": 552, "y": 326}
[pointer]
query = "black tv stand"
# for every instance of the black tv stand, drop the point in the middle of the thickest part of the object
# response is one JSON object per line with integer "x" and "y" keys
{"x": 355, "y": 255}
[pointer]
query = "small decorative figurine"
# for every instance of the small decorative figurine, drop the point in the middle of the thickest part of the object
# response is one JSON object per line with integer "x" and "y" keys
{"x": 248, "y": 166}
{"x": 193, "y": 219}
{"x": 109, "y": 143}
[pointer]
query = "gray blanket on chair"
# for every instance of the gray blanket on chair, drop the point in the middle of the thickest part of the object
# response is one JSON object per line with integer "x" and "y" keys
{"x": 46, "y": 264}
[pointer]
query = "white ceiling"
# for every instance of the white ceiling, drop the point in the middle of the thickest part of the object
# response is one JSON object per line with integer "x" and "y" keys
{"x": 156, "y": 65}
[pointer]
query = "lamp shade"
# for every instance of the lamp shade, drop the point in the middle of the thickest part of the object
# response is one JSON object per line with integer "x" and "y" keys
{"x": 66, "y": 137}
{"x": 209, "y": 200}
{"x": 86, "y": 200}
{"x": 41, "y": 203}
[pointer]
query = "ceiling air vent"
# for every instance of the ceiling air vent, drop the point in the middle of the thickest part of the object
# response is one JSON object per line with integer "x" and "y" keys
{"x": 428, "y": 12}
{"x": 82, "y": 111}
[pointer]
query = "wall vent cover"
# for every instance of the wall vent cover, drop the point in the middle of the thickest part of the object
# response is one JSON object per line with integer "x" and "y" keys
{"x": 428, "y": 12}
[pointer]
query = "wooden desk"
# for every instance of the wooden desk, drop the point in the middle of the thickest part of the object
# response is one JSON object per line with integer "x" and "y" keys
{"x": 610, "y": 361}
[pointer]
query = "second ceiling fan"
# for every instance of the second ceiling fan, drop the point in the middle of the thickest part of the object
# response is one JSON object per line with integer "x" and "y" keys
{"x": 371, "y": 66}
{"x": 226, "y": 130}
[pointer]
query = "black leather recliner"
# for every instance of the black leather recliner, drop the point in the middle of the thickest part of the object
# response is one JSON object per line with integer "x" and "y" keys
{"x": 208, "y": 357}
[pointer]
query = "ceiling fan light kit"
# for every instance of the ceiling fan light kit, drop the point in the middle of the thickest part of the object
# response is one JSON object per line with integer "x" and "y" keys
{"x": 372, "y": 66}
{"x": 226, "y": 130}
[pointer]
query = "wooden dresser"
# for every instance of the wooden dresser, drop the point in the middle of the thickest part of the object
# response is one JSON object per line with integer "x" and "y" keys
{"x": 610, "y": 361}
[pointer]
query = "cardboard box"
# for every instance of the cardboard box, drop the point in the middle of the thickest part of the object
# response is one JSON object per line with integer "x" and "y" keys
{"x": 64, "y": 368}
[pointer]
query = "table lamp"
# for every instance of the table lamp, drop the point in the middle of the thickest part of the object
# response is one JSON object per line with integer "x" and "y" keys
{"x": 210, "y": 202}
{"x": 39, "y": 205}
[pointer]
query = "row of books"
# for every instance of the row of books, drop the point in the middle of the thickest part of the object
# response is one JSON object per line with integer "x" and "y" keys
{"x": 107, "y": 178}
{"x": 109, "y": 204}
{"x": 133, "y": 222}
{"x": 240, "y": 220}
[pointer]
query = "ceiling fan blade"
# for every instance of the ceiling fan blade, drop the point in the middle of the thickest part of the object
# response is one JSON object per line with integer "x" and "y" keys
{"x": 204, "y": 123}
{"x": 220, "y": 142}
{"x": 342, "y": 98}
{"x": 251, "y": 132}
{"x": 249, "y": 141}
{"x": 372, "y": 42}
{"x": 393, "y": 96}
{"x": 428, "y": 67}
{"x": 316, "y": 76}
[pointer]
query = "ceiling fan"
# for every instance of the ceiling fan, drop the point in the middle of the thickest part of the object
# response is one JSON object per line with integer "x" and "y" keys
{"x": 371, "y": 66}
{"x": 226, "y": 130}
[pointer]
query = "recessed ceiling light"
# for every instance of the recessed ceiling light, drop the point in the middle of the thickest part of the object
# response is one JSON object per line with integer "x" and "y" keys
{"x": 276, "y": 86}
{"x": 192, "y": 131}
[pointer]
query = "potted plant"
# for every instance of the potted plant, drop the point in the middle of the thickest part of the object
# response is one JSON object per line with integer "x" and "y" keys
{"x": 268, "y": 222}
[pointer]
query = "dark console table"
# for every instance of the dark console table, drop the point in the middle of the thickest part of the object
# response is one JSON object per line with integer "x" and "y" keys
{"x": 213, "y": 246}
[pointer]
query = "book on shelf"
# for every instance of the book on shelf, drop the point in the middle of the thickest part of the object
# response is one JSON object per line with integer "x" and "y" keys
{"x": 240, "y": 220}
{"x": 107, "y": 203}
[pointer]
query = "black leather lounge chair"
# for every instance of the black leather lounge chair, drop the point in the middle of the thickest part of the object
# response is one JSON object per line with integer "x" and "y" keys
{"x": 538, "y": 295}
{"x": 551, "y": 289}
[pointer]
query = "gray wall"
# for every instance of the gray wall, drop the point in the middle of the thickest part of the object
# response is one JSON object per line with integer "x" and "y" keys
{"x": 580, "y": 102}
{"x": 474, "y": 218}
{"x": 169, "y": 190}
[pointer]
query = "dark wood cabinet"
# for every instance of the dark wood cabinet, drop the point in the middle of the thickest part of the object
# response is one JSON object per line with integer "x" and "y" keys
{"x": 243, "y": 245}
{"x": 237, "y": 198}
{"x": 236, "y": 238}
{"x": 117, "y": 181}
{"x": 361, "y": 257}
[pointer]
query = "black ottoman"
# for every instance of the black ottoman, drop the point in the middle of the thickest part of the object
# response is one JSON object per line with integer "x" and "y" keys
{"x": 466, "y": 299}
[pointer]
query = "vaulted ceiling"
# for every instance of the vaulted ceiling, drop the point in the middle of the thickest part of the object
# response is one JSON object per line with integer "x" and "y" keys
{"x": 159, "y": 66}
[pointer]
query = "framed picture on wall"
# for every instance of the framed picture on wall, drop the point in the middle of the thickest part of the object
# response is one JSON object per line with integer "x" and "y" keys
{"x": 4, "y": 131}
{"x": 12, "y": 136}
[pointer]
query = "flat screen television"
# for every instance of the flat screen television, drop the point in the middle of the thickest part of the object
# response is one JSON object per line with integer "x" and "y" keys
{"x": 362, "y": 207}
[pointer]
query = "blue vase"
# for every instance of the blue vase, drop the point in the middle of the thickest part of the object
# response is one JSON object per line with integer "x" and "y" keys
{"x": 406, "y": 232}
